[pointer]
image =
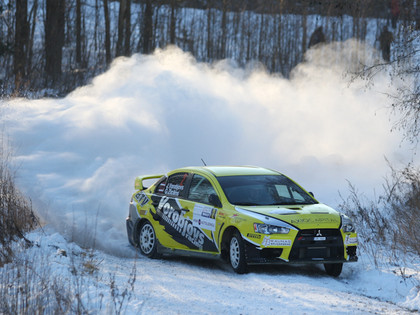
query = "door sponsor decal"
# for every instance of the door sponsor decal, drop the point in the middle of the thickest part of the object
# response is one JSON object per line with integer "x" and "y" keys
{"x": 204, "y": 217}
{"x": 180, "y": 227}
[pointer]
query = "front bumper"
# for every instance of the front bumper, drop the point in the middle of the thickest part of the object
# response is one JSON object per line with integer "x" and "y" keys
{"x": 308, "y": 247}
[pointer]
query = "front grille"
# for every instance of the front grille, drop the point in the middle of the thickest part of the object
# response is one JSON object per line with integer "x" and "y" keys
{"x": 317, "y": 244}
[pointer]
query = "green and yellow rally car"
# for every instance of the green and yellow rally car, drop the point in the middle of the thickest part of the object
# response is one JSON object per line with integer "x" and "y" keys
{"x": 246, "y": 215}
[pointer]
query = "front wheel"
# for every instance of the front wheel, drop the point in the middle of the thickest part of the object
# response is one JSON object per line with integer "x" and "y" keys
{"x": 237, "y": 253}
{"x": 333, "y": 269}
{"x": 148, "y": 241}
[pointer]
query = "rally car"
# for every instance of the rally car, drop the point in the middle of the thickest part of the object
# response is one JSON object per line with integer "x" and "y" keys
{"x": 245, "y": 215}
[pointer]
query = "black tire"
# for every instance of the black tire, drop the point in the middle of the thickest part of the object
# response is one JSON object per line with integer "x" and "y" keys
{"x": 237, "y": 255}
{"x": 148, "y": 241}
{"x": 333, "y": 270}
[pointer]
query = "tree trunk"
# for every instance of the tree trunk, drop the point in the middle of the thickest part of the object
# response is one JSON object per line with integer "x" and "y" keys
{"x": 304, "y": 26}
{"x": 222, "y": 48}
{"x": 124, "y": 28}
{"x": 121, "y": 16}
{"x": 148, "y": 28}
{"x": 210, "y": 27}
{"x": 127, "y": 34}
{"x": 78, "y": 32}
{"x": 107, "y": 33}
{"x": 21, "y": 43}
{"x": 32, "y": 17}
{"x": 54, "y": 39}
{"x": 172, "y": 23}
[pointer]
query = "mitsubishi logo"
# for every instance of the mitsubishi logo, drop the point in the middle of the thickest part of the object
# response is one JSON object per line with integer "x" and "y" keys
{"x": 319, "y": 233}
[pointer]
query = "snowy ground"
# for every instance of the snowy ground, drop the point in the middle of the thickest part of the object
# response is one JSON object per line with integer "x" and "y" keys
{"x": 174, "y": 285}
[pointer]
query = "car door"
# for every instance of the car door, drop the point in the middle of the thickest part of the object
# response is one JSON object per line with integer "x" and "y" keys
{"x": 204, "y": 214}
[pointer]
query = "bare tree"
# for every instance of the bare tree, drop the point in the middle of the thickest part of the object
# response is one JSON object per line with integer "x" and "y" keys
{"x": 222, "y": 44}
{"x": 107, "y": 33}
{"x": 78, "y": 32}
{"x": 210, "y": 26}
{"x": 54, "y": 39}
{"x": 124, "y": 28}
{"x": 304, "y": 24}
{"x": 21, "y": 43}
{"x": 127, "y": 26}
{"x": 33, "y": 19}
{"x": 172, "y": 27}
{"x": 404, "y": 63}
{"x": 147, "y": 46}
{"x": 275, "y": 32}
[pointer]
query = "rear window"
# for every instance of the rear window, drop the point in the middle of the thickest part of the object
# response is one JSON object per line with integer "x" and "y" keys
{"x": 175, "y": 184}
{"x": 160, "y": 186}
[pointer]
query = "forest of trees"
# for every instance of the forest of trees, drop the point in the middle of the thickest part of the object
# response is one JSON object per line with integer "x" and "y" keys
{"x": 49, "y": 47}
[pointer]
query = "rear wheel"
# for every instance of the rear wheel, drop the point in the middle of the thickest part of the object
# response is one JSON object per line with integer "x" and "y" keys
{"x": 333, "y": 269}
{"x": 148, "y": 240}
{"x": 237, "y": 253}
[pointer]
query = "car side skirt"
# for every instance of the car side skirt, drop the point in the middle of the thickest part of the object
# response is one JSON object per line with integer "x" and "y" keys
{"x": 187, "y": 253}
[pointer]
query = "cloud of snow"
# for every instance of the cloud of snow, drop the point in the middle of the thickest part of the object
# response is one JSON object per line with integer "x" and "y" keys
{"x": 79, "y": 155}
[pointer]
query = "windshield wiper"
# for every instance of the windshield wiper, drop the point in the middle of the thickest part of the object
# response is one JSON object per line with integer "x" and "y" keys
{"x": 244, "y": 204}
{"x": 291, "y": 203}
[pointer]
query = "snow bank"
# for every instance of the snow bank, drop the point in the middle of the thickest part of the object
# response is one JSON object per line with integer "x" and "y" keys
{"x": 79, "y": 155}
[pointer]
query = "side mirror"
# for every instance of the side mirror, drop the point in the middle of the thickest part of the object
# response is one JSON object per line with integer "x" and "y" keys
{"x": 312, "y": 194}
{"x": 215, "y": 201}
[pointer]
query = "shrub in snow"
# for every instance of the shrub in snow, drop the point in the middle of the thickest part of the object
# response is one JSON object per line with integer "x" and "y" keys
{"x": 16, "y": 214}
{"x": 392, "y": 222}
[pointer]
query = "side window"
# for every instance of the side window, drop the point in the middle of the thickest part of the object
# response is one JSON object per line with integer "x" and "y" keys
{"x": 160, "y": 186}
{"x": 175, "y": 184}
{"x": 200, "y": 189}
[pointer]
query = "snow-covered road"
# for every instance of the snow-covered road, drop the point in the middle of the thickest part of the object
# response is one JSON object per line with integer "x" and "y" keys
{"x": 107, "y": 284}
{"x": 179, "y": 287}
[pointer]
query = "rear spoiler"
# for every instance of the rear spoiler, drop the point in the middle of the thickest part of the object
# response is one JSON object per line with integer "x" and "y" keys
{"x": 138, "y": 182}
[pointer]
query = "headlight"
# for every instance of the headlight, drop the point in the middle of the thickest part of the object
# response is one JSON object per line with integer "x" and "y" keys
{"x": 270, "y": 229}
{"x": 346, "y": 224}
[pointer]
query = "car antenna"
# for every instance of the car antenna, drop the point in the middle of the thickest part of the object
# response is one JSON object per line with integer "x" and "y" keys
{"x": 203, "y": 162}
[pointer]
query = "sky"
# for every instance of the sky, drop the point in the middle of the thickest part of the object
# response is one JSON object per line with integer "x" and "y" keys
{"x": 77, "y": 156}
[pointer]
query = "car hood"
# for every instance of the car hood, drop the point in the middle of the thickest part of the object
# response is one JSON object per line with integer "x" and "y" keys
{"x": 301, "y": 216}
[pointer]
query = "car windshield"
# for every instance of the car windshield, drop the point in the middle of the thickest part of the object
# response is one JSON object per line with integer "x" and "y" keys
{"x": 263, "y": 190}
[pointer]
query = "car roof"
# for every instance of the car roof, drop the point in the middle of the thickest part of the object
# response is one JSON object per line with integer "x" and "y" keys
{"x": 229, "y": 170}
